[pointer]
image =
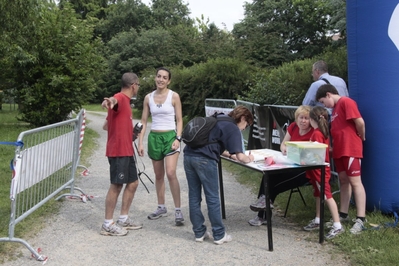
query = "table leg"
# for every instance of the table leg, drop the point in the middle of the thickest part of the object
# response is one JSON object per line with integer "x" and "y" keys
{"x": 221, "y": 189}
{"x": 322, "y": 200}
{"x": 268, "y": 210}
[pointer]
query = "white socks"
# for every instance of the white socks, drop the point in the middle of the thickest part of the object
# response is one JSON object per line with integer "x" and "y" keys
{"x": 122, "y": 218}
{"x": 107, "y": 223}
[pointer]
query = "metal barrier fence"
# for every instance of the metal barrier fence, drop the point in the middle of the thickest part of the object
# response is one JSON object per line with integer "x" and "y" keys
{"x": 44, "y": 165}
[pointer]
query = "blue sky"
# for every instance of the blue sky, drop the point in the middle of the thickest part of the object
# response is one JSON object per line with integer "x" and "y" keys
{"x": 218, "y": 11}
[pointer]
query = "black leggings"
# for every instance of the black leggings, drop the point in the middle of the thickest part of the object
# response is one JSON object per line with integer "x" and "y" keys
{"x": 280, "y": 183}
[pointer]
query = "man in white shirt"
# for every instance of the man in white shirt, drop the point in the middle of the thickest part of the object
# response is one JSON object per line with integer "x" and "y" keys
{"x": 321, "y": 77}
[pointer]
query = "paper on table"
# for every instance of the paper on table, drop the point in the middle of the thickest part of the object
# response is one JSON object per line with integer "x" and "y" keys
{"x": 282, "y": 160}
{"x": 259, "y": 155}
{"x": 278, "y": 157}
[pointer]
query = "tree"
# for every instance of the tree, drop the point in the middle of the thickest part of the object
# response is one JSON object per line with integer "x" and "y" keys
{"x": 60, "y": 68}
{"x": 277, "y": 31}
{"x": 337, "y": 21}
{"x": 169, "y": 13}
{"x": 17, "y": 20}
{"x": 85, "y": 8}
{"x": 124, "y": 15}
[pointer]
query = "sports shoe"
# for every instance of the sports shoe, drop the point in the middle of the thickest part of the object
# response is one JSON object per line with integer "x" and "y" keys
{"x": 358, "y": 227}
{"x": 257, "y": 221}
{"x": 311, "y": 226}
{"x": 342, "y": 220}
{"x": 179, "y": 220}
{"x": 129, "y": 224}
{"x": 225, "y": 239}
{"x": 113, "y": 230}
{"x": 334, "y": 232}
{"x": 202, "y": 238}
{"x": 160, "y": 212}
{"x": 260, "y": 204}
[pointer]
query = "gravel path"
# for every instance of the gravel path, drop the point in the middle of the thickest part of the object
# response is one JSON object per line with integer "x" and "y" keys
{"x": 72, "y": 236}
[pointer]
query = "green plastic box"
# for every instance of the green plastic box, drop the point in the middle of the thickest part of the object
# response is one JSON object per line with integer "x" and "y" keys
{"x": 306, "y": 152}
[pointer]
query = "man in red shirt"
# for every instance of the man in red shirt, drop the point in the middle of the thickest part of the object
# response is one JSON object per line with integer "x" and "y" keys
{"x": 119, "y": 151}
{"x": 348, "y": 133}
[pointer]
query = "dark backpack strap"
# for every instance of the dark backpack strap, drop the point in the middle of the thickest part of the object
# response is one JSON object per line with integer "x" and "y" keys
{"x": 326, "y": 81}
{"x": 225, "y": 118}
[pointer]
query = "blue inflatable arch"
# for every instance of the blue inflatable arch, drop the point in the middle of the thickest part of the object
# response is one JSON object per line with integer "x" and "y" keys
{"x": 373, "y": 66}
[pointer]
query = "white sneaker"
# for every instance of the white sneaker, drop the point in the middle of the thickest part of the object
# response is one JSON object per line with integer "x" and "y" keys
{"x": 129, "y": 224}
{"x": 358, "y": 227}
{"x": 334, "y": 232}
{"x": 159, "y": 212}
{"x": 312, "y": 226}
{"x": 260, "y": 204}
{"x": 225, "y": 239}
{"x": 257, "y": 221}
{"x": 179, "y": 220}
{"x": 202, "y": 238}
{"x": 113, "y": 230}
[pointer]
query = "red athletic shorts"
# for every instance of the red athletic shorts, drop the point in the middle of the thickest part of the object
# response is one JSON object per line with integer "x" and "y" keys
{"x": 350, "y": 165}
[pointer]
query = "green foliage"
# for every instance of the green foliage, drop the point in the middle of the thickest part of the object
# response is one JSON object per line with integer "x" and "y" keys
{"x": 338, "y": 18}
{"x": 178, "y": 45}
{"x": 274, "y": 32}
{"x": 17, "y": 20}
{"x": 64, "y": 71}
{"x": 86, "y": 8}
{"x": 288, "y": 84}
{"x": 217, "y": 78}
{"x": 219, "y": 44}
{"x": 169, "y": 13}
{"x": 124, "y": 16}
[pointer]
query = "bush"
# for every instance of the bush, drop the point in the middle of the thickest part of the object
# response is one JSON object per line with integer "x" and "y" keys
{"x": 288, "y": 84}
{"x": 217, "y": 78}
{"x": 235, "y": 79}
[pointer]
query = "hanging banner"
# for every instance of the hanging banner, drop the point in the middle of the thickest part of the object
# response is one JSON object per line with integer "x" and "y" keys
{"x": 261, "y": 131}
{"x": 282, "y": 117}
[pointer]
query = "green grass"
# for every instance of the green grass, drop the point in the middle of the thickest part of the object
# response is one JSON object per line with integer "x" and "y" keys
{"x": 375, "y": 246}
{"x": 94, "y": 107}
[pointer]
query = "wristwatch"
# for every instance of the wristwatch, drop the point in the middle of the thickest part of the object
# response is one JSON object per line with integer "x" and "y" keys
{"x": 178, "y": 138}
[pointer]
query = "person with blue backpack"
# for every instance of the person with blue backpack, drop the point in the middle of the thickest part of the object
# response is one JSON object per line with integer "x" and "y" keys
{"x": 201, "y": 167}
